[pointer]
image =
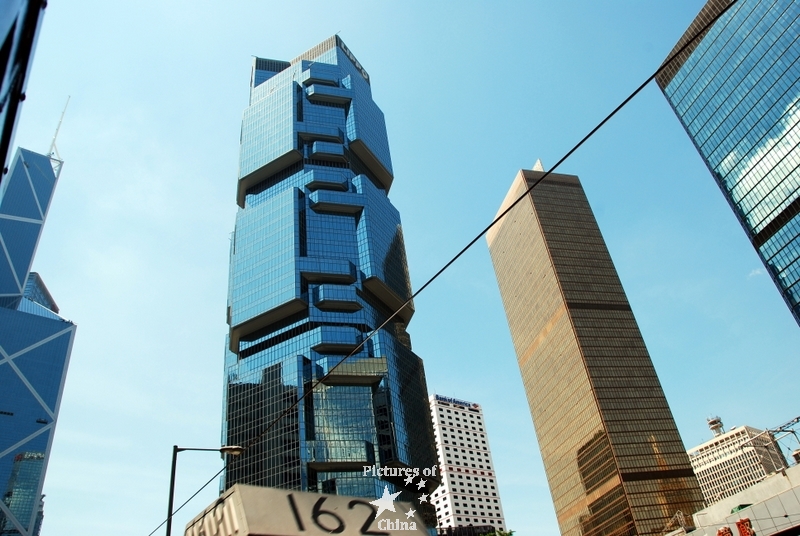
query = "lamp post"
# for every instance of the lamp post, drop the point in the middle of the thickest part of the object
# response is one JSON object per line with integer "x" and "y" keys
{"x": 233, "y": 450}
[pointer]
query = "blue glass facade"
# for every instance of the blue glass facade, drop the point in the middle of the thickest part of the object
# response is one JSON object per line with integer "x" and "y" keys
{"x": 737, "y": 93}
{"x": 35, "y": 345}
{"x": 317, "y": 262}
{"x": 20, "y": 21}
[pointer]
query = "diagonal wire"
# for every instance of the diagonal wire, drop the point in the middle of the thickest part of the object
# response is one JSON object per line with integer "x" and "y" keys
{"x": 187, "y": 501}
{"x": 468, "y": 246}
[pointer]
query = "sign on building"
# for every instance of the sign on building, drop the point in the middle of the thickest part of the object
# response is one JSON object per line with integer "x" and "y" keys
{"x": 253, "y": 510}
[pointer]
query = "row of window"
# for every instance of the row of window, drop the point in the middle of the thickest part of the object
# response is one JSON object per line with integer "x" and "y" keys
{"x": 482, "y": 521}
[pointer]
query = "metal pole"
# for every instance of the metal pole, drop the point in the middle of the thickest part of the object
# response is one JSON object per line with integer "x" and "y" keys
{"x": 172, "y": 489}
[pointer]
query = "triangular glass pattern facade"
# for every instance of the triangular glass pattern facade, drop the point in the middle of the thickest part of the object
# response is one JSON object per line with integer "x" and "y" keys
{"x": 35, "y": 345}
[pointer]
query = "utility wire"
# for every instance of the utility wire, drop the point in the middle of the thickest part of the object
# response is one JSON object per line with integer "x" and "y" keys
{"x": 462, "y": 251}
{"x": 195, "y": 494}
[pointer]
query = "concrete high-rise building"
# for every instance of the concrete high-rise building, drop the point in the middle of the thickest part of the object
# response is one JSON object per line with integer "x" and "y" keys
{"x": 736, "y": 90}
{"x": 469, "y": 494}
{"x": 614, "y": 460}
{"x": 734, "y": 460}
{"x": 35, "y": 345}
{"x": 317, "y": 262}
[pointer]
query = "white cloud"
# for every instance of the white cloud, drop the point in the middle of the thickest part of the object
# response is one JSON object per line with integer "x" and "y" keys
{"x": 757, "y": 185}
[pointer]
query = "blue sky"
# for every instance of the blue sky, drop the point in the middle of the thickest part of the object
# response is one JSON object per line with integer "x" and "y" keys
{"x": 136, "y": 244}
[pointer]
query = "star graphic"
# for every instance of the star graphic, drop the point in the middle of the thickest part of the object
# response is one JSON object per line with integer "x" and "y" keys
{"x": 422, "y": 498}
{"x": 410, "y": 514}
{"x": 409, "y": 480}
{"x": 420, "y": 484}
{"x": 385, "y": 502}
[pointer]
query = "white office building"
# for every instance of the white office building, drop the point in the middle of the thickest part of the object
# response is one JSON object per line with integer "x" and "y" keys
{"x": 734, "y": 460}
{"x": 469, "y": 492}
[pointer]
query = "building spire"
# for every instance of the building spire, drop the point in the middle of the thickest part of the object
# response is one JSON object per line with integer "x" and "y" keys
{"x": 55, "y": 158}
{"x": 538, "y": 165}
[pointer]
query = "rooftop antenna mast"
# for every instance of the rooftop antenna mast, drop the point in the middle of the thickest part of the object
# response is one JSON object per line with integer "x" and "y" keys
{"x": 55, "y": 158}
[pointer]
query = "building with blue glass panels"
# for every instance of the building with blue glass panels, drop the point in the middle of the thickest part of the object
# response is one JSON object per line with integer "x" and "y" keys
{"x": 736, "y": 90}
{"x": 317, "y": 262}
{"x": 35, "y": 345}
{"x": 20, "y": 21}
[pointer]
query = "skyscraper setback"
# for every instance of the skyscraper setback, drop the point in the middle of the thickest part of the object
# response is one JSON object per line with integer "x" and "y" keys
{"x": 613, "y": 457}
{"x": 317, "y": 262}
{"x": 736, "y": 90}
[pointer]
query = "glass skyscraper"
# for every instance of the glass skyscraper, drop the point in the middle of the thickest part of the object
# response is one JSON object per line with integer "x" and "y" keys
{"x": 614, "y": 460}
{"x": 317, "y": 262}
{"x": 20, "y": 21}
{"x": 35, "y": 345}
{"x": 736, "y": 90}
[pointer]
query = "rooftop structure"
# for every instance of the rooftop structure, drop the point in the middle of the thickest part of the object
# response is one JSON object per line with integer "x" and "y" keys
{"x": 734, "y": 460}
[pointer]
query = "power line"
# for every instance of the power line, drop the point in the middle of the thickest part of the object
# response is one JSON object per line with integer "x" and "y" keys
{"x": 187, "y": 501}
{"x": 464, "y": 249}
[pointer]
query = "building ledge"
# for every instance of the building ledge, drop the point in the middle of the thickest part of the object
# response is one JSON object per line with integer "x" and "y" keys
{"x": 329, "y": 94}
{"x": 319, "y": 74}
{"x": 338, "y": 202}
{"x": 339, "y": 455}
{"x": 264, "y": 320}
{"x": 383, "y": 175}
{"x": 314, "y": 132}
{"x": 320, "y": 270}
{"x": 325, "y": 150}
{"x": 389, "y": 298}
{"x": 336, "y": 298}
{"x": 337, "y": 340}
{"x": 264, "y": 172}
{"x": 319, "y": 179}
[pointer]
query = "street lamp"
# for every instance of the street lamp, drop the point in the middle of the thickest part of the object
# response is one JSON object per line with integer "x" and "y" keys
{"x": 233, "y": 450}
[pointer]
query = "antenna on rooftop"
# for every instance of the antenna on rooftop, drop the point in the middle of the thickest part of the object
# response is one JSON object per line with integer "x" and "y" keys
{"x": 53, "y": 148}
{"x": 55, "y": 158}
{"x": 715, "y": 423}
